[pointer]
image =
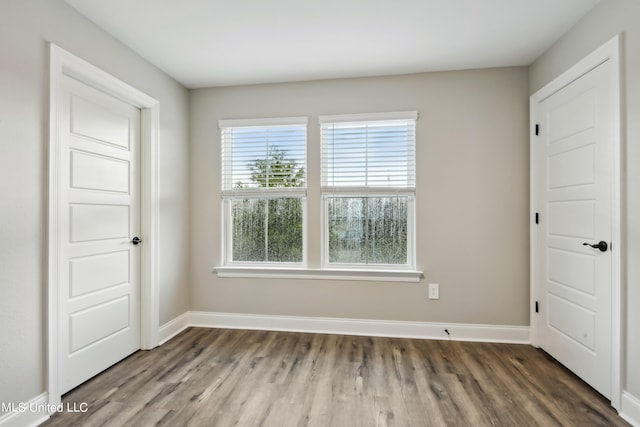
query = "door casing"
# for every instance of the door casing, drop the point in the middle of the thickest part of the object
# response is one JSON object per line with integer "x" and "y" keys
{"x": 64, "y": 63}
{"x": 610, "y": 51}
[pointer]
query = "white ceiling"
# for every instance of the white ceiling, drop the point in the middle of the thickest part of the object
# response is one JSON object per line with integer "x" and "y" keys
{"x": 204, "y": 43}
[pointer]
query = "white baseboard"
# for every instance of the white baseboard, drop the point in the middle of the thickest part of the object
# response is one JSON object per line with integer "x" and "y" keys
{"x": 630, "y": 409}
{"x": 379, "y": 328}
{"x": 31, "y": 413}
{"x": 173, "y": 327}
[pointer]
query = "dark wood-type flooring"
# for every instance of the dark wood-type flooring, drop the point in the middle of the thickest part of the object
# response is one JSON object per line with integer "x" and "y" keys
{"x": 222, "y": 377}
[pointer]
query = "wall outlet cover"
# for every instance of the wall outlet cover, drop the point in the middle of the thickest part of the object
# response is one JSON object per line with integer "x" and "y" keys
{"x": 434, "y": 291}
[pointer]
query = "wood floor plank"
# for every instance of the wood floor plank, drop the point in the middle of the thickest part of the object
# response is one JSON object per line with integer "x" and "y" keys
{"x": 220, "y": 377}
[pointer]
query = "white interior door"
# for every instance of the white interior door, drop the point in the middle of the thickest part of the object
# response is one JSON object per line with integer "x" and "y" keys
{"x": 574, "y": 181}
{"x": 99, "y": 292}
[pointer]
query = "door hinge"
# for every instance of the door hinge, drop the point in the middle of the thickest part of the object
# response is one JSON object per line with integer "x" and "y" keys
{"x": 537, "y": 307}
{"x": 537, "y": 218}
{"x": 537, "y": 130}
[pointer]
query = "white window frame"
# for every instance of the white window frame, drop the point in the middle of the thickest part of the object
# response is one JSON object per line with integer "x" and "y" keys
{"x": 300, "y": 271}
{"x": 252, "y": 193}
{"x": 365, "y": 191}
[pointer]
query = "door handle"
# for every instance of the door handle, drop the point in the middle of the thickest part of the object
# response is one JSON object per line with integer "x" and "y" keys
{"x": 602, "y": 245}
{"x": 136, "y": 241}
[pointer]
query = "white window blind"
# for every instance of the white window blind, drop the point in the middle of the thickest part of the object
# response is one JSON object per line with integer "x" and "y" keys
{"x": 368, "y": 152}
{"x": 368, "y": 190}
{"x": 264, "y": 190}
{"x": 264, "y": 155}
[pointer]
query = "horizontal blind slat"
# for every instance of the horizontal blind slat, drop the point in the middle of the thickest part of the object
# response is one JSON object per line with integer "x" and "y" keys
{"x": 377, "y": 153}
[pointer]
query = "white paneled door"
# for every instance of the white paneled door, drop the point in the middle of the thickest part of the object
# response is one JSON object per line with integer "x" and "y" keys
{"x": 99, "y": 291}
{"x": 574, "y": 181}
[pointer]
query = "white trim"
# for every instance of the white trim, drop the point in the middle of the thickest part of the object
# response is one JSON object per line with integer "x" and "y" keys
{"x": 174, "y": 327}
{"x": 364, "y": 191}
{"x": 274, "y": 121}
{"x": 630, "y": 410}
{"x": 617, "y": 245}
{"x": 362, "y": 327}
{"x": 150, "y": 222}
{"x": 25, "y": 415}
{"x": 399, "y": 115}
{"x": 64, "y": 63}
{"x": 318, "y": 274}
{"x": 264, "y": 193}
{"x": 610, "y": 51}
{"x": 378, "y": 328}
{"x": 533, "y": 241}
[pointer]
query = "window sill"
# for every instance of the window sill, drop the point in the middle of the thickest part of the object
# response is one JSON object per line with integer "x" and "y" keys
{"x": 319, "y": 274}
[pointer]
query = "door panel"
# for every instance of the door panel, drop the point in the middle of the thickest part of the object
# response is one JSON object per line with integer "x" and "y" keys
{"x": 97, "y": 121}
{"x": 574, "y": 115}
{"x": 100, "y": 213}
{"x": 572, "y": 320}
{"x": 572, "y": 269}
{"x": 571, "y": 168}
{"x": 574, "y": 153}
{"x": 92, "y": 273}
{"x": 571, "y": 218}
{"x": 98, "y": 322}
{"x": 95, "y": 222}
{"x": 96, "y": 172}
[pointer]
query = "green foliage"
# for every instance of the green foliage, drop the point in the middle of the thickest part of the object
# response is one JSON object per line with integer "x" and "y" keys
{"x": 277, "y": 171}
{"x": 270, "y": 229}
{"x": 248, "y": 229}
{"x": 368, "y": 230}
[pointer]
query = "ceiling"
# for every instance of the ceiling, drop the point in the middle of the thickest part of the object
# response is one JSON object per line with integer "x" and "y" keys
{"x": 203, "y": 43}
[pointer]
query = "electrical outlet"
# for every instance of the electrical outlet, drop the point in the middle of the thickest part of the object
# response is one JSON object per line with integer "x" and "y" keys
{"x": 434, "y": 291}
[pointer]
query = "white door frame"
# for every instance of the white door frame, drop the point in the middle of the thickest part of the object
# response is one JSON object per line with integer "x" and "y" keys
{"x": 610, "y": 51}
{"x": 63, "y": 63}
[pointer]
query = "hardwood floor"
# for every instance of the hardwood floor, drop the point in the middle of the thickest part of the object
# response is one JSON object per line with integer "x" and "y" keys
{"x": 222, "y": 377}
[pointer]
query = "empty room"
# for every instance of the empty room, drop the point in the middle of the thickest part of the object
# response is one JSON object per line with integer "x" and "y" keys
{"x": 322, "y": 213}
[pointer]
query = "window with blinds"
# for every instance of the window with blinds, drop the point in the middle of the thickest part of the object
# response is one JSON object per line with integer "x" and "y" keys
{"x": 264, "y": 189}
{"x": 368, "y": 189}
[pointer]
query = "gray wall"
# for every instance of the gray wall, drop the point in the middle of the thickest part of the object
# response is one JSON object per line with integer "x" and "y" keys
{"x": 473, "y": 186}
{"x": 25, "y": 28}
{"x": 609, "y": 18}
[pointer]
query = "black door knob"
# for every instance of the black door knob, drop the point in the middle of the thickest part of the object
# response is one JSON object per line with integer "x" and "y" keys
{"x": 136, "y": 240}
{"x": 602, "y": 245}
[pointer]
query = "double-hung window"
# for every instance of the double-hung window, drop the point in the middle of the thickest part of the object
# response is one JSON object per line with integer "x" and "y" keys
{"x": 264, "y": 190}
{"x": 368, "y": 190}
